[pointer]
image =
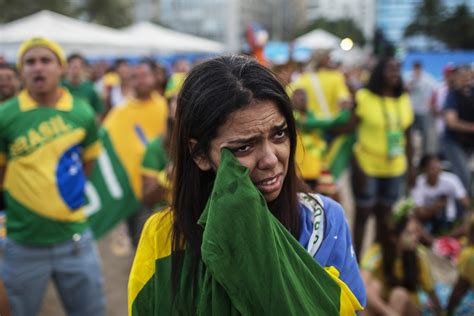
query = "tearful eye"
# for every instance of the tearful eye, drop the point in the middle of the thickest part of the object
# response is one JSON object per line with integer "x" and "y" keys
{"x": 242, "y": 149}
{"x": 281, "y": 133}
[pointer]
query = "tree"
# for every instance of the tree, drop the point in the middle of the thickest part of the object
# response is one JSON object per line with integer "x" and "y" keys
{"x": 457, "y": 29}
{"x": 113, "y": 13}
{"x": 382, "y": 46}
{"x": 341, "y": 28}
{"x": 13, "y": 10}
{"x": 428, "y": 19}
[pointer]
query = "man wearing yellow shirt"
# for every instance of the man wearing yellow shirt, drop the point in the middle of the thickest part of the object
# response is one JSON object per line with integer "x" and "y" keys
{"x": 325, "y": 87}
{"x": 328, "y": 96}
{"x": 140, "y": 120}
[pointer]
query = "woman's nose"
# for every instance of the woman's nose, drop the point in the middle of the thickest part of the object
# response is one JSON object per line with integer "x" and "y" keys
{"x": 268, "y": 158}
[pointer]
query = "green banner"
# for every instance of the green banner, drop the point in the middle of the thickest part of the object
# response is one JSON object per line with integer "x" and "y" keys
{"x": 109, "y": 194}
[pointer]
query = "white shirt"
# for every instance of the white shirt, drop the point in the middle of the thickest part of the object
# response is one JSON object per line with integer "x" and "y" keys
{"x": 421, "y": 91}
{"x": 448, "y": 186}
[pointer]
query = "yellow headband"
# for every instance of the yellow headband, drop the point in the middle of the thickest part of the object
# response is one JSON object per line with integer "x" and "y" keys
{"x": 40, "y": 41}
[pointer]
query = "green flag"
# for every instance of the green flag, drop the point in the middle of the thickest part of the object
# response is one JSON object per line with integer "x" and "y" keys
{"x": 261, "y": 267}
{"x": 109, "y": 193}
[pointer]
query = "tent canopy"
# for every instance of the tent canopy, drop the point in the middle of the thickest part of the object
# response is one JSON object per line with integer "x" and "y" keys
{"x": 93, "y": 40}
{"x": 318, "y": 39}
{"x": 163, "y": 39}
{"x": 74, "y": 35}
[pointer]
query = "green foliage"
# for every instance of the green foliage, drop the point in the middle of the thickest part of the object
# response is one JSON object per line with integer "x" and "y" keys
{"x": 14, "y": 9}
{"x": 341, "y": 28}
{"x": 428, "y": 18}
{"x": 113, "y": 13}
{"x": 455, "y": 29}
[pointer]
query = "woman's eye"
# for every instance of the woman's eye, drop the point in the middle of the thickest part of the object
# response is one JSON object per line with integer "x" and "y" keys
{"x": 281, "y": 134}
{"x": 241, "y": 149}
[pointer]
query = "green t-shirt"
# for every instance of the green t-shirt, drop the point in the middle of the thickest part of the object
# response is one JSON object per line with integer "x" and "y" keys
{"x": 155, "y": 158}
{"x": 43, "y": 149}
{"x": 85, "y": 90}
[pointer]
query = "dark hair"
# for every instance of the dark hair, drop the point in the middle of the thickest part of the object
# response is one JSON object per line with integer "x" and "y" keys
{"x": 149, "y": 62}
{"x": 9, "y": 67}
{"x": 76, "y": 56}
{"x": 426, "y": 159}
{"x": 377, "y": 80}
{"x": 120, "y": 61}
{"x": 409, "y": 258}
{"x": 211, "y": 92}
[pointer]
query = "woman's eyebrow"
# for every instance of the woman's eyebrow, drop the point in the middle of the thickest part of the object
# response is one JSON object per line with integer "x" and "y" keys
{"x": 250, "y": 139}
{"x": 279, "y": 126}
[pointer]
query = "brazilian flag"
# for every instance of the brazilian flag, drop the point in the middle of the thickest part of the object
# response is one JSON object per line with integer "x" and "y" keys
{"x": 110, "y": 195}
{"x": 251, "y": 264}
{"x": 115, "y": 187}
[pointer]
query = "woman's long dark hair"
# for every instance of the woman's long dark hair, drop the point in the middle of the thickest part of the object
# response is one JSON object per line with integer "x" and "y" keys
{"x": 210, "y": 93}
{"x": 378, "y": 82}
{"x": 409, "y": 258}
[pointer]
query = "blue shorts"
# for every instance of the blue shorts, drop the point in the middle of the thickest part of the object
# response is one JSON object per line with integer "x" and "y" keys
{"x": 376, "y": 190}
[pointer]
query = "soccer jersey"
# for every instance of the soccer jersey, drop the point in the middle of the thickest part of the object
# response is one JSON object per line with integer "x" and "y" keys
{"x": 155, "y": 158}
{"x": 154, "y": 165}
{"x": 85, "y": 90}
{"x": 378, "y": 117}
{"x": 135, "y": 124}
{"x": 44, "y": 149}
{"x": 325, "y": 89}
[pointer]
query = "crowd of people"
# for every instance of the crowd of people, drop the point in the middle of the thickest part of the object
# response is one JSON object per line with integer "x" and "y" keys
{"x": 209, "y": 234}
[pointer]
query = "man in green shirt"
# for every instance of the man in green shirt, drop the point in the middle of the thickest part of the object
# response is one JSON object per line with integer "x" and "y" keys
{"x": 79, "y": 86}
{"x": 9, "y": 82}
{"x": 48, "y": 142}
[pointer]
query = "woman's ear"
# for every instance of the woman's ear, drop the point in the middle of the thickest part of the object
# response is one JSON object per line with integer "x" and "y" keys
{"x": 200, "y": 159}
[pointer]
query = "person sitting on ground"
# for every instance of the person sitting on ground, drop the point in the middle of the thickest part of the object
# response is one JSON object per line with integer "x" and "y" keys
{"x": 437, "y": 195}
{"x": 395, "y": 269}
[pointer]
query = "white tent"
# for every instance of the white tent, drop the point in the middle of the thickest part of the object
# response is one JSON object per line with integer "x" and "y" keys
{"x": 73, "y": 35}
{"x": 163, "y": 39}
{"x": 318, "y": 39}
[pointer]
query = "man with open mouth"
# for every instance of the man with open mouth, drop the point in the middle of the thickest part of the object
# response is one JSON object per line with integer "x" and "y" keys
{"x": 48, "y": 142}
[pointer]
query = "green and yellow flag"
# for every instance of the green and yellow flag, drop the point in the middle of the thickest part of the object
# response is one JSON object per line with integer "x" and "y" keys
{"x": 114, "y": 188}
{"x": 251, "y": 264}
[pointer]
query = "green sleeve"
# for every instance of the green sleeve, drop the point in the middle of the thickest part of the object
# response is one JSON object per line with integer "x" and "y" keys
{"x": 312, "y": 122}
{"x": 96, "y": 101}
{"x": 155, "y": 157}
{"x": 91, "y": 131}
{"x": 3, "y": 145}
